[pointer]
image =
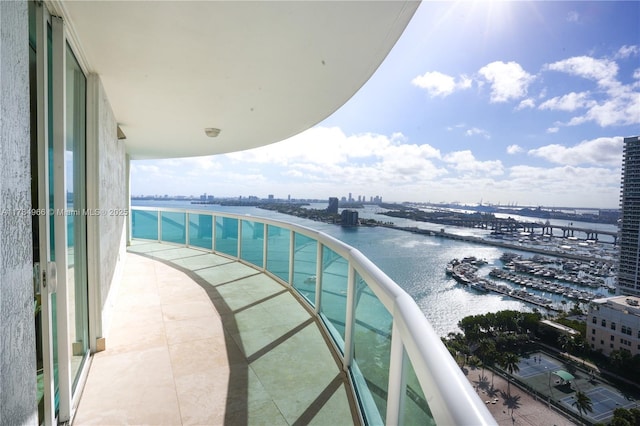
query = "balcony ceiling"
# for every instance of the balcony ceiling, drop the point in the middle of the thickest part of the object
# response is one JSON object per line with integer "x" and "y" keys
{"x": 259, "y": 71}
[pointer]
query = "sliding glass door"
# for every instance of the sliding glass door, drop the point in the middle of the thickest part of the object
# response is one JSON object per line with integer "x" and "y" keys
{"x": 58, "y": 146}
{"x": 76, "y": 224}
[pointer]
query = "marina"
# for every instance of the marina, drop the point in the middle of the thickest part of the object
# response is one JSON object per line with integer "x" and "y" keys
{"x": 553, "y": 280}
{"x": 465, "y": 272}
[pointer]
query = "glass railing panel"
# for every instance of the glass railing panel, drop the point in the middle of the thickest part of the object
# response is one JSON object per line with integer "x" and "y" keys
{"x": 416, "y": 410}
{"x": 335, "y": 270}
{"x": 200, "y": 230}
{"x": 173, "y": 227}
{"x": 372, "y": 344}
{"x": 366, "y": 401}
{"x": 227, "y": 235}
{"x": 278, "y": 241}
{"x": 252, "y": 247}
{"x": 304, "y": 266}
{"x": 144, "y": 224}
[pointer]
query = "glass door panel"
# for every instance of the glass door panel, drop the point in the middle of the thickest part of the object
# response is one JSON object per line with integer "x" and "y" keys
{"x": 77, "y": 303}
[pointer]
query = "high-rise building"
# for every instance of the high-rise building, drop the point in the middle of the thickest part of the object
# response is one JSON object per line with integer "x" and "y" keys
{"x": 333, "y": 205}
{"x": 349, "y": 218}
{"x": 629, "y": 230}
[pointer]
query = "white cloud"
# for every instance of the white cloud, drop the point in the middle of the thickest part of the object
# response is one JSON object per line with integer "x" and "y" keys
{"x": 621, "y": 108}
{"x": 328, "y": 155}
{"x": 465, "y": 82}
{"x": 514, "y": 149}
{"x": 526, "y": 103}
{"x": 599, "y": 152}
{"x": 565, "y": 185}
{"x": 508, "y": 80}
{"x": 439, "y": 84}
{"x": 553, "y": 130}
{"x": 457, "y": 126}
{"x": 636, "y": 74}
{"x": 626, "y": 51}
{"x": 603, "y": 71}
{"x": 465, "y": 162}
{"x": 618, "y": 104}
{"x": 568, "y": 102}
{"x": 476, "y": 131}
{"x": 137, "y": 167}
{"x": 573, "y": 16}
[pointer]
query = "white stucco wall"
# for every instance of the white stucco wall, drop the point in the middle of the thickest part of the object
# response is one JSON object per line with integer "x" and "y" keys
{"x": 17, "y": 331}
{"x": 112, "y": 199}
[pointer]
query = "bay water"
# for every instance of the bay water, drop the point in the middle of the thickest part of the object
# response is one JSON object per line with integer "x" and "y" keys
{"x": 415, "y": 262}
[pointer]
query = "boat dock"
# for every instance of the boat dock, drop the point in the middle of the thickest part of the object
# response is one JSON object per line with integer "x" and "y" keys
{"x": 464, "y": 271}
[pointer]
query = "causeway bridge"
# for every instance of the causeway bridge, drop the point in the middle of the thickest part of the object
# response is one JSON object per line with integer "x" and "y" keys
{"x": 511, "y": 226}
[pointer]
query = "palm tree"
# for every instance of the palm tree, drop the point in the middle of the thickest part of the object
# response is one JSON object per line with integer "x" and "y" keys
{"x": 487, "y": 347}
{"x": 510, "y": 363}
{"x": 583, "y": 404}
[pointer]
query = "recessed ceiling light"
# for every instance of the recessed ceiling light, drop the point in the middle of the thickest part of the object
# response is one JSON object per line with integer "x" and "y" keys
{"x": 212, "y": 132}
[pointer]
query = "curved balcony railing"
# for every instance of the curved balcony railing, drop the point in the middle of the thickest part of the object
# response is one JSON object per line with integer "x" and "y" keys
{"x": 400, "y": 371}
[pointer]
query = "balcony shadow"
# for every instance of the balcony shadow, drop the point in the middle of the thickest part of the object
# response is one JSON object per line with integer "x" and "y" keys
{"x": 239, "y": 361}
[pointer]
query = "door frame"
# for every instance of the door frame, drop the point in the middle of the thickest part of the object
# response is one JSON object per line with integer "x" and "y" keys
{"x": 62, "y": 39}
{"x": 46, "y": 273}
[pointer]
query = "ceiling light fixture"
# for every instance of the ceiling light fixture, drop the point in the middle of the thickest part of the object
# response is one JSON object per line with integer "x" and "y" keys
{"x": 212, "y": 132}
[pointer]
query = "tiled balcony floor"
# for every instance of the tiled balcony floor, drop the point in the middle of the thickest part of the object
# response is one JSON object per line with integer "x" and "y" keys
{"x": 197, "y": 338}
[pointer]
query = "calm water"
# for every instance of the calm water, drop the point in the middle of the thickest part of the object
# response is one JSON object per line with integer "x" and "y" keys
{"x": 416, "y": 262}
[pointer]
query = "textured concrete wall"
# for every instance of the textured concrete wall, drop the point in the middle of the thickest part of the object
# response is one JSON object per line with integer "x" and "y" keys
{"x": 17, "y": 331}
{"x": 112, "y": 196}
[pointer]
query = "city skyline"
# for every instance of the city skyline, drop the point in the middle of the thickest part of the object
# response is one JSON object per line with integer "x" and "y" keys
{"x": 534, "y": 113}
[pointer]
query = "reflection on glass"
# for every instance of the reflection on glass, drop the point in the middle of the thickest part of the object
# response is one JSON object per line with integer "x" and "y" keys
{"x": 334, "y": 294}
{"x": 278, "y": 251}
{"x": 372, "y": 344}
{"x": 76, "y": 220}
{"x": 144, "y": 224}
{"x": 200, "y": 230}
{"x": 252, "y": 242}
{"x": 305, "y": 251}
{"x": 173, "y": 227}
{"x": 416, "y": 409}
{"x": 227, "y": 236}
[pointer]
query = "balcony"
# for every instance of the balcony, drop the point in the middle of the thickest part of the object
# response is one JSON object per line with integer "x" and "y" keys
{"x": 233, "y": 319}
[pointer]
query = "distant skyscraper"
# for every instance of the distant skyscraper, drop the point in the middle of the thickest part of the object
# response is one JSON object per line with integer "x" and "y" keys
{"x": 349, "y": 218}
{"x": 629, "y": 229}
{"x": 333, "y": 205}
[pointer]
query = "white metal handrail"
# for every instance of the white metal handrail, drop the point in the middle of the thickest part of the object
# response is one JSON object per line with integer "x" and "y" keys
{"x": 450, "y": 397}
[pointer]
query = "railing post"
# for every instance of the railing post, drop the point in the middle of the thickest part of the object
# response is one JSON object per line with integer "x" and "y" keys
{"x": 159, "y": 215}
{"x": 186, "y": 229}
{"x": 214, "y": 225}
{"x": 397, "y": 379}
{"x": 350, "y": 316}
{"x": 292, "y": 246}
{"x": 239, "y": 238}
{"x": 319, "y": 249}
{"x": 265, "y": 246}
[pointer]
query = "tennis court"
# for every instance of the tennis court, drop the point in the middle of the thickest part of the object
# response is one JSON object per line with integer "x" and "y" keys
{"x": 603, "y": 401}
{"x": 536, "y": 364}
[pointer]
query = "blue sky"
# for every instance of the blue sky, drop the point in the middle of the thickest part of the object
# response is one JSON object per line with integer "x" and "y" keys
{"x": 499, "y": 102}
